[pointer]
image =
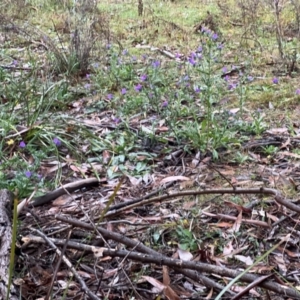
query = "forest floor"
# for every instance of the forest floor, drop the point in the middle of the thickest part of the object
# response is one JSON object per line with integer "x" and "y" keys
{"x": 153, "y": 148}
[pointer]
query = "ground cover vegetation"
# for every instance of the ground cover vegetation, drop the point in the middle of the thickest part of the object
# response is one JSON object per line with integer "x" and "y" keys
{"x": 183, "y": 116}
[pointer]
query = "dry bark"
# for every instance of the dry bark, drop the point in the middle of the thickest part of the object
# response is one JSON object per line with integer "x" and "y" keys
{"x": 5, "y": 244}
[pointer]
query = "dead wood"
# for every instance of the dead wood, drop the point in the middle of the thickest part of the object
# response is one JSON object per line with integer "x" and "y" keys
{"x": 259, "y": 191}
{"x": 5, "y": 245}
{"x": 184, "y": 267}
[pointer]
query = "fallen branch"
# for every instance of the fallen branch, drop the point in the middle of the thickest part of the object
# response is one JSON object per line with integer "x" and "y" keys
{"x": 260, "y": 191}
{"x": 68, "y": 263}
{"x": 142, "y": 248}
{"x": 70, "y": 187}
{"x": 184, "y": 267}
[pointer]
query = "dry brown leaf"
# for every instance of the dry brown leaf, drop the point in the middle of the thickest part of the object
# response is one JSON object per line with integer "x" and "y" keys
{"x": 162, "y": 129}
{"x": 82, "y": 170}
{"x": 105, "y": 157}
{"x": 237, "y": 206}
{"x": 62, "y": 200}
{"x": 184, "y": 255}
{"x": 186, "y": 184}
{"x": 174, "y": 178}
{"x": 189, "y": 204}
{"x": 98, "y": 252}
{"x": 286, "y": 153}
{"x": 170, "y": 294}
{"x": 237, "y": 224}
{"x": 277, "y": 131}
{"x": 135, "y": 181}
{"x": 166, "y": 277}
{"x": 245, "y": 259}
{"x": 222, "y": 224}
{"x": 209, "y": 295}
{"x": 228, "y": 249}
{"x": 157, "y": 284}
{"x": 109, "y": 273}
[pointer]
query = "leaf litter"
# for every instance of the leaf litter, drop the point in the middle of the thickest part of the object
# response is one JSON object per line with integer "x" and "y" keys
{"x": 197, "y": 223}
{"x": 181, "y": 247}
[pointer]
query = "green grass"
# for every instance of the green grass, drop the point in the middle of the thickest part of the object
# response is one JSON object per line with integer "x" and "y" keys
{"x": 103, "y": 105}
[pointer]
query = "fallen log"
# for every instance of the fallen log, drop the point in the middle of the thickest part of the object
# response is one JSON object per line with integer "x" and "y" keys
{"x": 6, "y": 200}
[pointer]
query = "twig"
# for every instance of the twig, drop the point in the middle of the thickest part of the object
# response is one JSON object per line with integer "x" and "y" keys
{"x": 68, "y": 263}
{"x": 153, "y": 193}
{"x": 226, "y": 217}
{"x": 160, "y": 259}
{"x": 57, "y": 267}
{"x": 70, "y": 187}
{"x": 142, "y": 248}
{"x": 261, "y": 191}
{"x": 224, "y": 177}
{"x": 251, "y": 286}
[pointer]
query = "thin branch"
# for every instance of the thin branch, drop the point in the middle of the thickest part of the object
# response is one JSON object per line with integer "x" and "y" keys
{"x": 68, "y": 263}
{"x": 176, "y": 263}
{"x": 142, "y": 248}
{"x": 260, "y": 191}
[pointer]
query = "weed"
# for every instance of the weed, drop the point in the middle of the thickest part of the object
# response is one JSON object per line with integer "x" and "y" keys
{"x": 270, "y": 150}
{"x": 186, "y": 239}
{"x": 240, "y": 158}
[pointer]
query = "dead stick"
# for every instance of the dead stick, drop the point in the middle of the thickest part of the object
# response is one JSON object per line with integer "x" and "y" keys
{"x": 260, "y": 191}
{"x": 70, "y": 266}
{"x": 142, "y": 248}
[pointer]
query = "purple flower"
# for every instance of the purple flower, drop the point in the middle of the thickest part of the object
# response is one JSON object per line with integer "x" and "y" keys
{"x": 199, "y": 49}
{"x": 108, "y": 46}
{"x": 186, "y": 78}
{"x": 87, "y": 86}
{"x": 197, "y": 89}
{"x": 275, "y": 80}
{"x": 224, "y": 69}
{"x": 143, "y": 77}
{"x": 165, "y": 104}
{"x": 177, "y": 55}
{"x": 298, "y": 92}
{"x": 214, "y": 36}
{"x": 15, "y": 63}
{"x": 156, "y": 64}
{"x": 144, "y": 56}
{"x": 133, "y": 58}
{"x": 138, "y": 87}
{"x": 96, "y": 65}
{"x": 193, "y": 55}
{"x": 22, "y": 144}
{"x": 109, "y": 96}
{"x": 232, "y": 86}
{"x": 123, "y": 91}
{"x": 220, "y": 46}
{"x": 192, "y": 61}
{"x": 57, "y": 142}
{"x": 250, "y": 78}
{"x": 28, "y": 174}
{"x": 88, "y": 76}
{"x": 226, "y": 78}
{"x": 125, "y": 52}
{"x": 116, "y": 120}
